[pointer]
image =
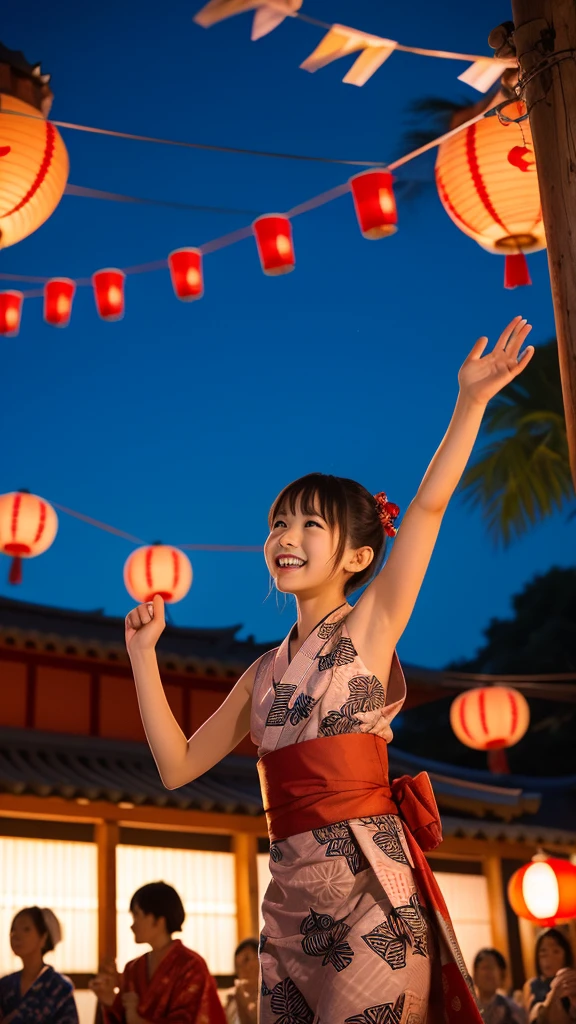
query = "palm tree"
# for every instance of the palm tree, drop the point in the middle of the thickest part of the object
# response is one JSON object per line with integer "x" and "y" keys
{"x": 522, "y": 474}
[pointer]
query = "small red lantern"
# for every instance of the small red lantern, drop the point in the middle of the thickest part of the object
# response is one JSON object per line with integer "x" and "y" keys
{"x": 58, "y": 297}
{"x": 28, "y": 525}
{"x": 10, "y": 312}
{"x": 275, "y": 247}
{"x": 544, "y": 891}
{"x": 374, "y": 203}
{"x": 186, "y": 273}
{"x": 109, "y": 293}
{"x": 158, "y": 569}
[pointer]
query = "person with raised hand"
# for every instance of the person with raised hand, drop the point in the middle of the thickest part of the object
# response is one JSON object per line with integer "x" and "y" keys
{"x": 355, "y": 927}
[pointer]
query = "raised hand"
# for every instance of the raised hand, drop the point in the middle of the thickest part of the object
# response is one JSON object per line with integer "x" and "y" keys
{"x": 483, "y": 376}
{"x": 144, "y": 625}
{"x": 106, "y": 983}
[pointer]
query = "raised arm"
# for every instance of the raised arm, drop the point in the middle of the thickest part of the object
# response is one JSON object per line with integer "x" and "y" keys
{"x": 382, "y": 613}
{"x": 180, "y": 760}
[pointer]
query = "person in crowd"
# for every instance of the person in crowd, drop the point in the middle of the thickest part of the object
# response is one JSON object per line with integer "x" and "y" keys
{"x": 550, "y": 997}
{"x": 169, "y": 984}
{"x": 241, "y": 1007}
{"x": 489, "y": 979}
{"x": 37, "y": 993}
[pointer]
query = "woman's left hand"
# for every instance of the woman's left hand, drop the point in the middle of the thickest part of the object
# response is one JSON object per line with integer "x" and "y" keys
{"x": 130, "y": 1002}
{"x": 483, "y": 376}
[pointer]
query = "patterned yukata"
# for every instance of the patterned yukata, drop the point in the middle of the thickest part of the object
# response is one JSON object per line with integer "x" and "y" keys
{"x": 346, "y": 939}
{"x": 49, "y": 1000}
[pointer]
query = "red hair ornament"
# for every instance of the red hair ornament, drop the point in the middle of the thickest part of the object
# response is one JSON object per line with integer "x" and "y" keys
{"x": 387, "y": 512}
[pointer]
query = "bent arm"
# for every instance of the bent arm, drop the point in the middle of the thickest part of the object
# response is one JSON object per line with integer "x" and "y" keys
{"x": 180, "y": 760}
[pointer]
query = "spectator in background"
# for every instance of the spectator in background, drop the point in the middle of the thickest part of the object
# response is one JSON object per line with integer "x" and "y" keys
{"x": 241, "y": 1007}
{"x": 171, "y": 983}
{"x": 37, "y": 993}
{"x": 489, "y": 976}
{"x": 550, "y": 997}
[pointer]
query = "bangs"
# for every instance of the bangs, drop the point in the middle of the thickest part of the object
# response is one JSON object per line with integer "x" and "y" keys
{"x": 315, "y": 494}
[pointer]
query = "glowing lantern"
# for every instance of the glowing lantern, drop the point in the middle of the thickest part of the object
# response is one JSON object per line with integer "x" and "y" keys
{"x": 374, "y": 203}
{"x": 10, "y": 311}
{"x": 158, "y": 569}
{"x": 28, "y": 526}
{"x": 488, "y": 184}
{"x": 58, "y": 296}
{"x": 274, "y": 240}
{"x": 490, "y": 717}
{"x": 186, "y": 273}
{"x": 33, "y": 157}
{"x": 109, "y": 293}
{"x": 544, "y": 891}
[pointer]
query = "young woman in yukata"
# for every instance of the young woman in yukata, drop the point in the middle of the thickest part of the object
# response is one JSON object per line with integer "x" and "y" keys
{"x": 355, "y": 931}
{"x": 37, "y": 994}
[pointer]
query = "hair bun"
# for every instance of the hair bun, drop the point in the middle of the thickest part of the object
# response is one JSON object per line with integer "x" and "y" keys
{"x": 52, "y": 925}
{"x": 387, "y": 512}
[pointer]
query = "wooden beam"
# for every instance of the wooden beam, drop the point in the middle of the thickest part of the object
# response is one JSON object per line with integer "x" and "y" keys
{"x": 545, "y": 41}
{"x": 245, "y": 848}
{"x": 492, "y": 868}
{"x": 528, "y": 933}
{"x": 107, "y": 835}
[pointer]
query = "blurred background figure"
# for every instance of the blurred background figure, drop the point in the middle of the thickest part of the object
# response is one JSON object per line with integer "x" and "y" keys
{"x": 489, "y": 980}
{"x": 241, "y": 1007}
{"x": 550, "y": 997}
{"x": 37, "y": 993}
{"x": 170, "y": 982}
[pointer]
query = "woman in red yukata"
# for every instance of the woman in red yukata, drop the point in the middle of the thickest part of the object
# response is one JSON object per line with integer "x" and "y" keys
{"x": 355, "y": 928}
{"x": 169, "y": 985}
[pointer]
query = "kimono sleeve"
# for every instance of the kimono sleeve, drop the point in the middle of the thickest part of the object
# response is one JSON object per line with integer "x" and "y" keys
{"x": 194, "y": 999}
{"x": 52, "y": 1002}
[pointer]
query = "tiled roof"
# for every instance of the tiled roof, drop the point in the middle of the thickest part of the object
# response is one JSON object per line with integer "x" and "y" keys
{"x": 50, "y": 764}
{"x": 96, "y": 635}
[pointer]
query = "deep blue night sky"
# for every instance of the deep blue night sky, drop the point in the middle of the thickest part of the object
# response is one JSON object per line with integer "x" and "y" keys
{"x": 183, "y": 421}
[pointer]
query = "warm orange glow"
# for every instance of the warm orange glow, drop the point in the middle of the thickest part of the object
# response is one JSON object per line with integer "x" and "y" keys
{"x": 488, "y": 185}
{"x": 10, "y": 312}
{"x": 374, "y": 203}
{"x": 33, "y": 169}
{"x": 186, "y": 274}
{"x": 273, "y": 233}
{"x": 490, "y": 717}
{"x": 544, "y": 891}
{"x": 109, "y": 293}
{"x": 58, "y": 296}
{"x": 158, "y": 569}
{"x": 283, "y": 245}
{"x": 28, "y": 524}
{"x": 193, "y": 277}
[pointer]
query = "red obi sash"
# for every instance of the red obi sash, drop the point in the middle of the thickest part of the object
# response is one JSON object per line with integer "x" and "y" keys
{"x": 335, "y": 778}
{"x": 320, "y": 782}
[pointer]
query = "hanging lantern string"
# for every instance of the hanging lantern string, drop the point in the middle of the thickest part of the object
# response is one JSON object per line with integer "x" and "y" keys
{"x": 116, "y": 197}
{"x": 444, "y": 54}
{"x": 237, "y": 236}
{"x": 138, "y": 540}
{"x": 195, "y": 145}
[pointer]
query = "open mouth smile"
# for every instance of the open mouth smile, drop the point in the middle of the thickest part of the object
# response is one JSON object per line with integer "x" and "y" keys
{"x": 289, "y": 562}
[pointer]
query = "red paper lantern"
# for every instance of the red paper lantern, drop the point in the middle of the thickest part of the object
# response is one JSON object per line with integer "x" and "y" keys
{"x": 488, "y": 185}
{"x": 109, "y": 293}
{"x": 10, "y": 311}
{"x": 58, "y": 297}
{"x": 490, "y": 717}
{"x": 374, "y": 203}
{"x": 28, "y": 526}
{"x": 275, "y": 247}
{"x": 544, "y": 891}
{"x": 158, "y": 569}
{"x": 186, "y": 273}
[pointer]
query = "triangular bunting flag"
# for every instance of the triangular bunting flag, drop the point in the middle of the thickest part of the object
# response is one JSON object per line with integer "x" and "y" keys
{"x": 339, "y": 42}
{"x": 269, "y": 13}
{"x": 483, "y": 74}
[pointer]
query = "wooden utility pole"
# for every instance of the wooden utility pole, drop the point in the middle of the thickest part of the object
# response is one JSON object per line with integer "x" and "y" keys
{"x": 545, "y": 43}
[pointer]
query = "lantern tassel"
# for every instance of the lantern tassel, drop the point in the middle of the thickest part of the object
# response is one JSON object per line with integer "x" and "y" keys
{"x": 498, "y": 762}
{"x": 516, "y": 273}
{"x": 15, "y": 574}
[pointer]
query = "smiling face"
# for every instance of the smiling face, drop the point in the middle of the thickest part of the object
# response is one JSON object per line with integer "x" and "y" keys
{"x": 302, "y": 552}
{"x": 25, "y": 939}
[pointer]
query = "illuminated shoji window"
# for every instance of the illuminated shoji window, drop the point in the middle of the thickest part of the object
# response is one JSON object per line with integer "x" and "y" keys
{"x": 60, "y": 875}
{"x": 467, "y": 901}
{"x": 205, "y": 881}
{"x": 264, "y": 876}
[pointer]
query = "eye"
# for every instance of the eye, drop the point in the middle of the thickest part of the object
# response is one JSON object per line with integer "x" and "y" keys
{"x": 279, "y": 522}
{"x": 312, "y": 522}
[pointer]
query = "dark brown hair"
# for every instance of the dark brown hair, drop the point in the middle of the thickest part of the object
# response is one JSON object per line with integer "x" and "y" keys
{"x": 160, "y": 900}
{"x": 37, "y": 918}
{"x": 347, "y": 507}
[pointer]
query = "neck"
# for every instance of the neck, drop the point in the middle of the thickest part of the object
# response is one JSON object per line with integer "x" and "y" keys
{"x": 486, "y": 997}
{"x": 162, "y": 943}
{"x": 32, "y": 965}
{"x": 313, "y": 608}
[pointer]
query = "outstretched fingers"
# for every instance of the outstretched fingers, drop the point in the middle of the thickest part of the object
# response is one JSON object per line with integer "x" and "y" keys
{"x": 508, "y": 333}
{"x": 517, "y": 339}
{"x": 478, "y": 348}
{"x": 523, "y": 361}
